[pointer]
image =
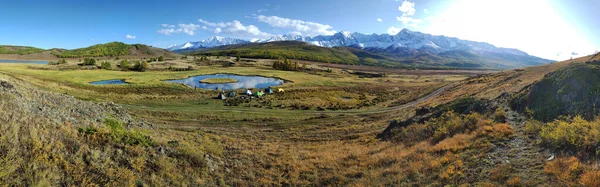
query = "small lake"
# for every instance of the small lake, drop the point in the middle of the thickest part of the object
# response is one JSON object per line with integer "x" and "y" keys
{"x": 247, "y": 82}
{"x": 115, "y": 81}
{"x": 24, "y": 62}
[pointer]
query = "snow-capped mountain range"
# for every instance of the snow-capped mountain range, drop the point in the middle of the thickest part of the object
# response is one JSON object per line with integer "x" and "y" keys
{"x": 404, "y": 39}
{"x": 208, "y": 43}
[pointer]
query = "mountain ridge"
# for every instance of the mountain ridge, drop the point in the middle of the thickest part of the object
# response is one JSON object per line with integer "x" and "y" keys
{"x": 405, "y": 44}
{"x": 404, "y": 38}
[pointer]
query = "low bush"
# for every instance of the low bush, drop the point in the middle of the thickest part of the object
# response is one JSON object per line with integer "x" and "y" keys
{"x": 128, "y": 137}
{"x": 106, "y": 65}
{"x": 590, "y": 178}
{"x": 498, "y": 132}
{"x": 578, "y": 134}
{"x": 566, "y": 170}
{"x": 450, "y": 123}
{"x": 500, "y": 115}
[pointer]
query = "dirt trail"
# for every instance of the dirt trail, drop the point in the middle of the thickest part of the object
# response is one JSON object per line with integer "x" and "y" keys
{"x": 526, "y": 158}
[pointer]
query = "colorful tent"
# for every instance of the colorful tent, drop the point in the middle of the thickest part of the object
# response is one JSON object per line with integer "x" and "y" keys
{"x": 248, "y": 92}
{"x": 258, "y": 94}
{"x": 280, "y": 90}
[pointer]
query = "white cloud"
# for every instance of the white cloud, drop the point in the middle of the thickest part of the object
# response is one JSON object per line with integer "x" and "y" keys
{"x": 393, "y": 30}
{"x": 188, "y": 29}
{"x": 234, "y": 27}
{"x": 129, "y": 36}
{"x": 261, "y": 10}
{"x": 167, "y": 26}
{"x": 408, "y": 11}
{"x": 407, "y": 8}
{"x": 379, "y": 20}
{"x": 298, "y": 26}
{"x": 409, "y": 20}
{"x": 426, "y": 11}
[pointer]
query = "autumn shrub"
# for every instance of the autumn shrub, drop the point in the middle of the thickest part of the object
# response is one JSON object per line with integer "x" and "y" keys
{"x": 499, "y": 115}
{"x": 565, "y": 170}
{"x": 456, "y": 143}
{"x": 514, "y": 182}
{"x": 590, "y": 178}
{"x": 450, "y": 123}
{"x": 497, "y": 132}
{"x": 577, "y": 134}
{"x": 501, "y": 172}
{"x": 533, "y": 127}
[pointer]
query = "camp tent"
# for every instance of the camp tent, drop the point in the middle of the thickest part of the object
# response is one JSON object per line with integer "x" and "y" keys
{"x": 221, "y": 96}
{"x": 258, "y": 94}
{"x": 231, "y": 94}
{"x": 280, "y": 90}
{"x": 248, "y": 92}
{"x": 269, "y": 91}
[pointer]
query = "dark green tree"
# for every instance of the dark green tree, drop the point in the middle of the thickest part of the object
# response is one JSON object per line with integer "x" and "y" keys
{"x": 124, "y": 65}
{"x": 105, "y": 65}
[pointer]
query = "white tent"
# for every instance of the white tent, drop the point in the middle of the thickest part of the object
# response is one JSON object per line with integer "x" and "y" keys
{"x": 248, "y": 92}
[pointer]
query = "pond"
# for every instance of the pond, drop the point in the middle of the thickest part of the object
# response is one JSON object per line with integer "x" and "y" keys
{"x": 242, "y": 82}
{"x": 24, "y": 62}
{"x": 115, "y": 81}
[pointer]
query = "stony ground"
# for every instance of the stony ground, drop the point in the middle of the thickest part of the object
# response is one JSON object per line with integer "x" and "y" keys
{"x": 61, "y": 108}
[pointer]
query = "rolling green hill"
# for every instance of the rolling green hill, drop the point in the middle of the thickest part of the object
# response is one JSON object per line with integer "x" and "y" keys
{"x": 21, "y": 50}
{"x": 100, "y": 50}
{"x": 112, "y": 49}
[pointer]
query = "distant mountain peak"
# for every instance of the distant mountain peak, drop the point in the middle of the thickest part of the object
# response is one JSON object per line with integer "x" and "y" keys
{"x": 405, "y": 42}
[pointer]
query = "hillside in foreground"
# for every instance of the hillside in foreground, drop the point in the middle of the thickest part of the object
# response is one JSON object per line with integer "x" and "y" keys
{"x": 515, "y": 131}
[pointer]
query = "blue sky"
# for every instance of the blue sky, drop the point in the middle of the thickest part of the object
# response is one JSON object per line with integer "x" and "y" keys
{"x": 551, "y": 29}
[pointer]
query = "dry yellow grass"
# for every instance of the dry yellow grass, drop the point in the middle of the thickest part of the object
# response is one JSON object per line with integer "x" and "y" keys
{"x": 490, "y": 86}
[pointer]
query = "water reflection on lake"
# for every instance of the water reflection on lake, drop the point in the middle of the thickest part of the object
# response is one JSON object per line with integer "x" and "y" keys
{"x": 23, "y": 62}
{"x": 247, "y": 82}
{"x": 115, "y": 81}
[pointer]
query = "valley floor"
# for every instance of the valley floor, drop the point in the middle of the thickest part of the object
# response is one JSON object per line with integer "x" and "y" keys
{"x": 178, "y": 136}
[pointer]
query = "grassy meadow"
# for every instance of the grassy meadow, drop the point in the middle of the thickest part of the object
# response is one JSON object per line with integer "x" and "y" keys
{"x": 321, "y": 130}
{"x": 307, "y": 95}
